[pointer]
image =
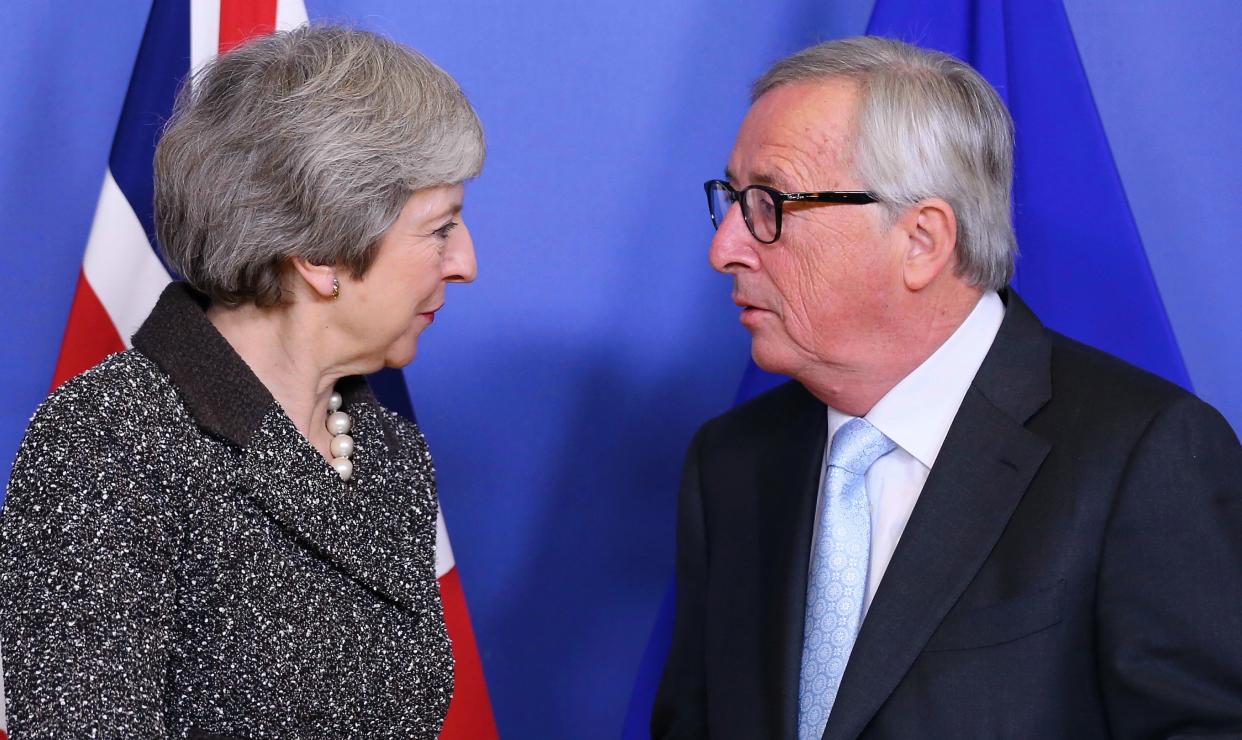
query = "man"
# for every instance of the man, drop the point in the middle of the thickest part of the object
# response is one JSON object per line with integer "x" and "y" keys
{"x": 954, "y": 523}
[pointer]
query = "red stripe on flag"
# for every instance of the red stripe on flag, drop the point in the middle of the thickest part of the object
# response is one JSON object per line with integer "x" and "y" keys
{"x": 243, "y": 19}
{"x": 470, "y": 713}
{"x": 89, "y": 335}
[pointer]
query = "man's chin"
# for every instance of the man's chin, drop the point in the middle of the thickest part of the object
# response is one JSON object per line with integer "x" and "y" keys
{"x": 775, "y": 360}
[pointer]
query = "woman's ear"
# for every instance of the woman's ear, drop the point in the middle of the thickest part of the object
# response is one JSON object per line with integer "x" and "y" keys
{"x": 930, "y": 230}
{"x": 321, "y": 279}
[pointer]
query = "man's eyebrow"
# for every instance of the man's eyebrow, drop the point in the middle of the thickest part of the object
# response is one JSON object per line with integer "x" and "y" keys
{"x": 772, "y": 180}
{"x": 762, "y": 178}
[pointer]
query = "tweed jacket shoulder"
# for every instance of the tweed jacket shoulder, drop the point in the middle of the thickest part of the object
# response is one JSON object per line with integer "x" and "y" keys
{"x": 176, "y": 560}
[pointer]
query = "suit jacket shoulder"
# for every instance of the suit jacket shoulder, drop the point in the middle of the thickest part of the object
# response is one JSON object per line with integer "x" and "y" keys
{"x": 1109, "y": 387}
{"x": 761, "y": 417}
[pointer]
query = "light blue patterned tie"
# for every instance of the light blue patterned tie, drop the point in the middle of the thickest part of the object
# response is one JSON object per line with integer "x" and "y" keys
{"x": 838, "y": 578}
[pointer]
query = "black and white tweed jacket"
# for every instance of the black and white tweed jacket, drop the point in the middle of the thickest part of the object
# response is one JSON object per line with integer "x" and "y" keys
{"x": 176, "y": 560}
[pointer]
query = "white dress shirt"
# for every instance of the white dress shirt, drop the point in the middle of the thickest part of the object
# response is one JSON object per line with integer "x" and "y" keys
{"x": 916, "y": 415}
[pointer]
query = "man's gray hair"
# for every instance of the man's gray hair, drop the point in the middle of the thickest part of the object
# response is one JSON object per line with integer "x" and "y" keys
{"x": 928, "y": 126}
{"x": 305, "y": 144}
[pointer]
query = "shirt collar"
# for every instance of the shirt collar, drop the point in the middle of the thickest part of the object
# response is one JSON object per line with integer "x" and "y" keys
{"x": 917, "y": 412}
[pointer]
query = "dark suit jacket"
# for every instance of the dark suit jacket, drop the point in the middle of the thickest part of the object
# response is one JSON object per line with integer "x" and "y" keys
{"x": 1073, "y": 567}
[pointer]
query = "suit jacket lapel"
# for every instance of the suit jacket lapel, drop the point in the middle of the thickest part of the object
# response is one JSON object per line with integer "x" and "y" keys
{"x": 985, "y": 465}
{"x": 789, "y": 487}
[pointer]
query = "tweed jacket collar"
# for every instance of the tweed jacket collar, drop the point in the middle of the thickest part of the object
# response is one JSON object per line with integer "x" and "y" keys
{"x": 379, "y": 527}
{"x": 220, "y": 390}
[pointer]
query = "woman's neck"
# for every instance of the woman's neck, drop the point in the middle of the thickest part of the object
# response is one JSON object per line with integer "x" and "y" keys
{"x": 281, "y": 347}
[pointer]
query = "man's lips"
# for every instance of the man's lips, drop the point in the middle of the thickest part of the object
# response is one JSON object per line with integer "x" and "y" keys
{"x": 750, "y": 312}
{"x": 747, "y": 305}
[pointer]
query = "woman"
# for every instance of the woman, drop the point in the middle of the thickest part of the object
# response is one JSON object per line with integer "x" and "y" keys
{"x": 220, "y": 532}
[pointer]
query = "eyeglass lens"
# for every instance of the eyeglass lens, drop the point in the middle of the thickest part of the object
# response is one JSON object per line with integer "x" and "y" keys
{"x": 758, "y": 210}
{"x": 760, "y": 213}
{"x": 719, "y": 199}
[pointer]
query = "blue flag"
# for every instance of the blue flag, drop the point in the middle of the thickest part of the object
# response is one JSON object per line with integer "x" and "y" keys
{"x": 1082, "y": 266}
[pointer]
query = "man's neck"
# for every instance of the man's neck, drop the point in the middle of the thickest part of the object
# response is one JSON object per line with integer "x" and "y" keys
{"x": 932, "y": 320}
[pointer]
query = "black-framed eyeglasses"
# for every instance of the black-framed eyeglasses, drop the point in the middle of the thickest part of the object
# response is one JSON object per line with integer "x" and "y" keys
{"x": 762, "y": 206}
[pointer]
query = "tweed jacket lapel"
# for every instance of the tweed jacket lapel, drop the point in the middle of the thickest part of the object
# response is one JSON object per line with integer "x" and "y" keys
{"x": 364, "y": 530}
{"x": 370, "y": 536}
{"x": 985, "y": 465}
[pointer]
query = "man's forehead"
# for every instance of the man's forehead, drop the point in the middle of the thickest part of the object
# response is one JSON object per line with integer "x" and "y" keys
{"x": 773, "y": 174}
{"x": 797, "y": 135}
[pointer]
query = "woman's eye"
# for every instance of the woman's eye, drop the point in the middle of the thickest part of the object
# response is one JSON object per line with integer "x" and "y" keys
{"x": 445, "y": 230}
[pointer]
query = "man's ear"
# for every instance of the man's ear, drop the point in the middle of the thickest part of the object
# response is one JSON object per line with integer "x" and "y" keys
{"x": 929, "y": 231}
{"x": 319, "y": 278}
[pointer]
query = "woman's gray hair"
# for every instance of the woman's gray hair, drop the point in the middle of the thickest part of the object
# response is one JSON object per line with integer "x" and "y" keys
{"x": 928, "y": 126}
{"x": 305, "y": 144}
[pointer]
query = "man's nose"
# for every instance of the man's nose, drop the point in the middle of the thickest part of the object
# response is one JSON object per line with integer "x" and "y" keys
{"x": 733, "y": 246}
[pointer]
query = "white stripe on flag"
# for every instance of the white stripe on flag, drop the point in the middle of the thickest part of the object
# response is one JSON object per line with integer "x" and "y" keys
{"x": 444, "y": 550}
{"x": 204, "y": 32}
{"x": 119, "y": 264}
{"x": 290, "y": 14}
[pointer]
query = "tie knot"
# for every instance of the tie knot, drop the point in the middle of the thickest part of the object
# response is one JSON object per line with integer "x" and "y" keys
{"x": 857, "y": 445}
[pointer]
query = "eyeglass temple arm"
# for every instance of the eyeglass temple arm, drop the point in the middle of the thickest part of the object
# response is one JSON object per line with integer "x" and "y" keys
{"x": 835, "y": 196}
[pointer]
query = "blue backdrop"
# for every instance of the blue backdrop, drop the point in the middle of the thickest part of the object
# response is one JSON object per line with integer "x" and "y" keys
{"x": 560, "y": 389}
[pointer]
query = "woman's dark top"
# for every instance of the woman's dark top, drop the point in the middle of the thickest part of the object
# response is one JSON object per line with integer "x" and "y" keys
{"x": 176, "y": 559}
